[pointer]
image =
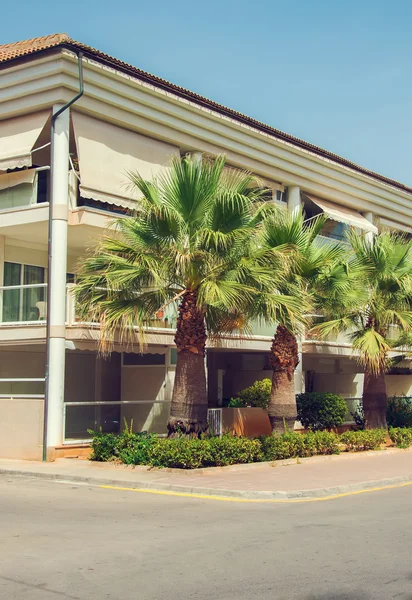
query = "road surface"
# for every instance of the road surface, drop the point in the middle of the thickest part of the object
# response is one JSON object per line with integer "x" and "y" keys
{"x": 64, "y": 541}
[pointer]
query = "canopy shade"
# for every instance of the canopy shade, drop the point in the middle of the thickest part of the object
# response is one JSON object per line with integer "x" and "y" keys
{"x": 395, "y": 226}
{"x": 9, "y": 180}
{"x": 341, "y": 214}
{"x": 18, "y": 138}
{"x": 107, "y": 153}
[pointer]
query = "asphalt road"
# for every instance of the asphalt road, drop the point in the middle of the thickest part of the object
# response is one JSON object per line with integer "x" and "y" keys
{"x": 62, "y": 541}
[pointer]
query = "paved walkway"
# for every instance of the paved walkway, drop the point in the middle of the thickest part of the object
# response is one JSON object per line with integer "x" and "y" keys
{"x": 312, "y": 477}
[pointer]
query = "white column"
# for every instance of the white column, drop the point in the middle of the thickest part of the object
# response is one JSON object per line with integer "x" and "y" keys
{"x": 294, "y": 197}
{"x": 299, "y": 373}
{"x": 57, "y": 277}
{"x": 369, "y": 217}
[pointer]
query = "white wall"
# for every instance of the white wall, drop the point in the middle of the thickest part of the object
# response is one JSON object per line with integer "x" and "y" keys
{"x": 399, "y": 385}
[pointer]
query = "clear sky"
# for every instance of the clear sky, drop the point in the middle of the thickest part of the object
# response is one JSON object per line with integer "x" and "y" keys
{"x": 334, "y": 73}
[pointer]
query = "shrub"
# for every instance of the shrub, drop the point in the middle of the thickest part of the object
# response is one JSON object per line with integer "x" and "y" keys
{"x": 180, "y": 453}
{"x": 369, "y": 439}
{"x": 401, "y": 436}
{"x": 399, "y": 411}
{"x": 103, "y": 445}
{"x": 229, "y": 450}
{"x": 322, "y": 442}
{"x": 358, "y": 417}
{"x": 319, "y": 411}
{"x": 134, "y": 448}
{"x": 286, "y": 445}
{"x": 257, "y": 395}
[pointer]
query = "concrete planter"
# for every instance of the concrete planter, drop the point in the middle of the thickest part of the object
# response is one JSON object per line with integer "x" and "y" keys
{"x": 248, "y": 422}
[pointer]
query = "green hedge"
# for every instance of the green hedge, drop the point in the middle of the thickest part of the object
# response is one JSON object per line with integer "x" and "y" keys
{"x": 255, "y": 396}
{"x": 401, "y": 436}
{"x": 320, "y": 411}
{"x": 192, "y": 453}
{"x": 399, "y": 411}
{"x": 369, "y": 439}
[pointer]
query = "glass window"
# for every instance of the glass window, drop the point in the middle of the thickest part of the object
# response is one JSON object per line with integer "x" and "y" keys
{"x": 23, "y": 304}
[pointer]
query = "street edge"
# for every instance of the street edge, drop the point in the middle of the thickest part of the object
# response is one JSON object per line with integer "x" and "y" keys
{"x": 219, "y": 494}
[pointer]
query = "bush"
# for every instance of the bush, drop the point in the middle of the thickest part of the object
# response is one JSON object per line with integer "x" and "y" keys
{"x": 401, "y": 436}
{"x": 319, "y": 411}
{"x": 286, "y": 445}
{"x": 399, "y": 411}
{"x": 230, "y": 450}
{"x": 296, "y": 445}
{"x": 134, "y": 448}
{"x": 322, "y": 442}
{"x": 257, "y": 395}
{"x": 369, "y": 439}
{"x": 103, "y": 445}
{"x": 180, "y": 453}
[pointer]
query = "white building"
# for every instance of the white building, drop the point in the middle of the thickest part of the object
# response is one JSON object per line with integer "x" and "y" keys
{"x": 127, "y": 119}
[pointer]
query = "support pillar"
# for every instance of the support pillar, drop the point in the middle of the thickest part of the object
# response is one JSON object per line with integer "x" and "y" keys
{"x": 299, "y": 373}
{"x": 369, "y": 234}
{"x": 56, "y": 326}
{"x": 294, "y": 201}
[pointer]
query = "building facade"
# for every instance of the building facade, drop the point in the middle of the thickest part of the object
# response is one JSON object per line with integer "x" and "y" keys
{"x": 68, "y": 165}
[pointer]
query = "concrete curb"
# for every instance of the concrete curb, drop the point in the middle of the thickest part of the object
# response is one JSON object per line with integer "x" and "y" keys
{"x": 216, "y": 492}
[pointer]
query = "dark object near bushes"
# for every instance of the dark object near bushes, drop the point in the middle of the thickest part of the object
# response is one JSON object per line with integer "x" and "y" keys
{"x": 359, "y": 417}
{"x": 255, "y": 396}
{"x": 399, "y": 411}
{"x": 319, "y": 411}
{"x": 370, "y": 439}
{"x": 401, "y": 436}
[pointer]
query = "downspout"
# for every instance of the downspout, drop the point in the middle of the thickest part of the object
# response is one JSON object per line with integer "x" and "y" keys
{"x": 50, "y": 252}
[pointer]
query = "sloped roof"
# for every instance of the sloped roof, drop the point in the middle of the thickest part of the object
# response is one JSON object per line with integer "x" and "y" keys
{"x": 19, "y": 50}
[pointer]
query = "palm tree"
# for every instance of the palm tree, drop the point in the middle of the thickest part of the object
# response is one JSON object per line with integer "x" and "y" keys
{"x": 366, "y": 297}
{"x": 307, "y": 259}
{"x": 190, "y": 244}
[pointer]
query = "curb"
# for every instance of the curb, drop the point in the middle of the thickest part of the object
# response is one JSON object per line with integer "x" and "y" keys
{"x": 317, "y": 493}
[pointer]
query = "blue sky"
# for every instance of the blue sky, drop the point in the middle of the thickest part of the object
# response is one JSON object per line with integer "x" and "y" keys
{"x": 337, "y": 74}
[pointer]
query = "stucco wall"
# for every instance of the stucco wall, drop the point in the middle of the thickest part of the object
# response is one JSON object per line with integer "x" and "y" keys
{"x": 399, "y": 385}
{"x": 21, "y": 428}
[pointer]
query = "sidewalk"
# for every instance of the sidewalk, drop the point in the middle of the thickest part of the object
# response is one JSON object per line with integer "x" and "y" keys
{"x": 294, "y": 478}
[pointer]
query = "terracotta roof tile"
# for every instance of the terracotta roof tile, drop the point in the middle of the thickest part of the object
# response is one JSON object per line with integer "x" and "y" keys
{"x": 24, "y": 48}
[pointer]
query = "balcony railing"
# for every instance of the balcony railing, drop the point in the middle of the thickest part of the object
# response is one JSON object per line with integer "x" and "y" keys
{"x": 27, "y": 304}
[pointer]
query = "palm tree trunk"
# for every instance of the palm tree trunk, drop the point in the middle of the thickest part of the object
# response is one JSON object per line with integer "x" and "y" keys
{"x": 188, "y": 411}
{"x": 284, "y": 358}
{"x": 374, "y": 400}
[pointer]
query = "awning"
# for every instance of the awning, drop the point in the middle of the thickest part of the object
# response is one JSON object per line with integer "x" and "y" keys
{"x": 395, "y": 226}
{"x": 341, "y": 214}
{"x": 107, "y": 153}
{"x": 18, "y": 138}
{"x": 9, "y": 180}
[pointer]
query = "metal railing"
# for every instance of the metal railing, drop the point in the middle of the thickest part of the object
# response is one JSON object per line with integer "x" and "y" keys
{"x": 111, "y": 416}
{"x": 215, "y": 420}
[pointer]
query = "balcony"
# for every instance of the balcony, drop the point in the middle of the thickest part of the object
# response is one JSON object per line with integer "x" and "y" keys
{"x": 22, "y": 305}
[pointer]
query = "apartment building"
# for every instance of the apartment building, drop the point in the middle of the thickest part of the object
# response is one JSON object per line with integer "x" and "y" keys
{"x": 73, "y": 121}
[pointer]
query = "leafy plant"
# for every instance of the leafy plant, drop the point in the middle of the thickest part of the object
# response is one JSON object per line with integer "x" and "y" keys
{"x": 399, "y": 411}
{"x": 103, "y": 445}
{"x": 320, "y": 411}
{"x": 358, "y": 417}
{"x": 357, "y": 441}
{"x": 230, "y": 450}
{"x": 257, "y": 395}
{"x": 180, "y": 453}
{"x": 401, "y": 436}
{"x": 322, "y": 442}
